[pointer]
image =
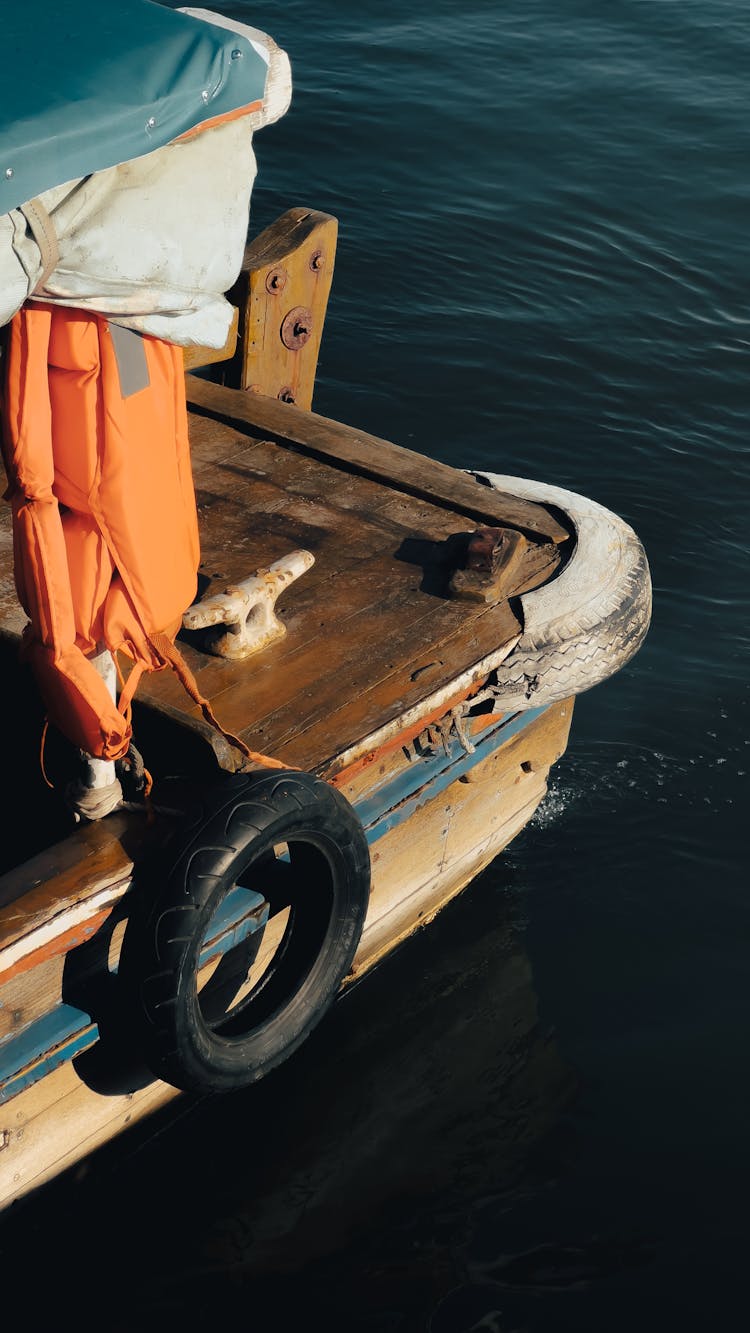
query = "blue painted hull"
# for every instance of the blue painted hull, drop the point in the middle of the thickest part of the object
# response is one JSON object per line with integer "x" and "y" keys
{"x": 64, "y": 1033}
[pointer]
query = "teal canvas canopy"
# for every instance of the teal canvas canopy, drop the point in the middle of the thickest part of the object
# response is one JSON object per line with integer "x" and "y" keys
{"x": 88, "y": 85}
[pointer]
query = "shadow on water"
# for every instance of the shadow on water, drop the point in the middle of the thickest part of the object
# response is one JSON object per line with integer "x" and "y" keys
{"x": 341, "y": 1182}
{"x": 439, "y": 1158}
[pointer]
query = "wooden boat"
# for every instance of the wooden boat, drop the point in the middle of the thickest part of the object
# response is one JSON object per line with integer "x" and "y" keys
{"x": 412, "y": 688}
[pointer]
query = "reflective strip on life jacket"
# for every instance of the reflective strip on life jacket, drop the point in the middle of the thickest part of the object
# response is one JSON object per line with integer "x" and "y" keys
{"x": 104, "y": 521}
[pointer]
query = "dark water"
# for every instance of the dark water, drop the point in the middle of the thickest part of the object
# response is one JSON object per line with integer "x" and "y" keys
{"x": 534, "y": 1117}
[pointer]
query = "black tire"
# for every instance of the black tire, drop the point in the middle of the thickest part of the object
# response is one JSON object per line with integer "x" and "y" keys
{"x": 322, "y": 883}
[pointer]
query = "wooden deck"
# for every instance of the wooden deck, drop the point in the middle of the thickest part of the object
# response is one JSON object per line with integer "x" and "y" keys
{"x": 371, "y": 630}
{"x": 373, "y": 640}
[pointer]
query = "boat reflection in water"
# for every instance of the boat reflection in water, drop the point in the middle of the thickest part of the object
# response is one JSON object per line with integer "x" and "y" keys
{"x": 367, "y": 1174}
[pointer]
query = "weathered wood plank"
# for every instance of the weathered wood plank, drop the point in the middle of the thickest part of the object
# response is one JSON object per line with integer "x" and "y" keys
{"x": 424, "y": 861}
{"x": 318, "y": 725}
{"x": 247, "y": 523}
{"x": 59, "y": 1121}
{"x": 39, "y": 898}
{"x": 29, "y": 996}
{"x": 351, "y": 580}
{"x": 391, "y": 464}
{"x": 346, "y": 662}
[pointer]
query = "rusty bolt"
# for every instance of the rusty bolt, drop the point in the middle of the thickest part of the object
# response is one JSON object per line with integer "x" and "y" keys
{"x": 286, "y": 395}
{"x": 296, "y": 328}
{"x": 276, "y": 280}
{"x": 317, "y": 261}
{"x": 485, "y": 547}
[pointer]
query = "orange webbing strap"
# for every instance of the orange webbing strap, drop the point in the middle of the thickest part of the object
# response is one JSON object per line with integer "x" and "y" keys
{"x": 171, "y": 654}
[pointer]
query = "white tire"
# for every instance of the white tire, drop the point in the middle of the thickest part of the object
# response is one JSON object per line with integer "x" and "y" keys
{"x": 591, "y": 618}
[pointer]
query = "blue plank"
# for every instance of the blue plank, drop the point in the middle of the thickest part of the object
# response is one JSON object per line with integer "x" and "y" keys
{"x": 64, "y": 1033}
{"x": 240, "y": 914}
{"x": 67, "y": 1031}
{"x": 43, "y": 1046}
{"x": 426, "y": 778}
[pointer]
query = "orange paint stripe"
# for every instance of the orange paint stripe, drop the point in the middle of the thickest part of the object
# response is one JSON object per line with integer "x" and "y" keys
{"x": 403, "y": 737}
{"x": 60, "y": 944}
{"x": 219, "y": 120}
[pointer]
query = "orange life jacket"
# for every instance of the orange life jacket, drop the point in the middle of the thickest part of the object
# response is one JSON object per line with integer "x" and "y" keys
{"x": 104, "y": 518}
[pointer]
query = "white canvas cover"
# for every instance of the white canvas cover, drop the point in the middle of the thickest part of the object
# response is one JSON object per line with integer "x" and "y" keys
{"x": 152, "y": 243}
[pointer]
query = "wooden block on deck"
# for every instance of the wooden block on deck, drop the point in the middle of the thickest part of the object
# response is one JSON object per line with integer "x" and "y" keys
{"x": 282, "y": 295}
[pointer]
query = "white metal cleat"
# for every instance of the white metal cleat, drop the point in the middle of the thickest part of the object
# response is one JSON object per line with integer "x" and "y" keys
{"x": 245, "y": 613}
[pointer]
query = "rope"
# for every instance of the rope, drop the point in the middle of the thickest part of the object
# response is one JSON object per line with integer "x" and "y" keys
{"x": 42, "y": 744}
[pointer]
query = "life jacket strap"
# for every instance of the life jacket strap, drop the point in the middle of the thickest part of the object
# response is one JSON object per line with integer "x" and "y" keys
{"x": 172, "y": 655}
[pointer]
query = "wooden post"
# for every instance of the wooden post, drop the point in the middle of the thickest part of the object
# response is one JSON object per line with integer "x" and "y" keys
{"x": 280, "y": 300}
{"x": 282, "y": 295}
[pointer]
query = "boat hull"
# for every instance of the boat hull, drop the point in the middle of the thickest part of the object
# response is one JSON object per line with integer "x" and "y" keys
{"x": 436, "y": 810}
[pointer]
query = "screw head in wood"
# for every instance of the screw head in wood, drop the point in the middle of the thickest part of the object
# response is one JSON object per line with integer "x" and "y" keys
{"x": 276, "y": 280}
{"x": 296, "y": 328}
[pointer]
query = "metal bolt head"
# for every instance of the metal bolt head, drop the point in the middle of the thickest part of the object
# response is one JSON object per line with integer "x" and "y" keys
{"x": 150, "y": 122}
{"x": 204, "y": 95}
{"x": 317, "y": 261}
{"x": 237, "y": 54}
{"x": 8, "y": 173}
{"x": 296, "y": 328}
{"x": 276, "y": 280}
{"x": 286, "y": 395}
